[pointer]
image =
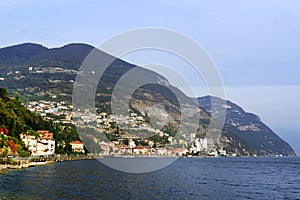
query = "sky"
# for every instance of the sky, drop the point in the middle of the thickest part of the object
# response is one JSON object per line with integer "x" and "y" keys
{"x": 254, "y": 44}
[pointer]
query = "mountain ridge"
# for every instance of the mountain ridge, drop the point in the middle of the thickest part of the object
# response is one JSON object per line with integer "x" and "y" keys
{"x": 32, "y": 53}
{"x": 53, "y": 69}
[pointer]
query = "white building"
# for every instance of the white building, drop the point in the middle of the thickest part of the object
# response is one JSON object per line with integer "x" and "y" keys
{"x": 30, "y": 141}
{"x": 44, "y": 145}
{"x": 203, "y": 142}
{"x": 131, "y": 144}
{"x": 161, "y": 151}
{"x": 77, "y": 146}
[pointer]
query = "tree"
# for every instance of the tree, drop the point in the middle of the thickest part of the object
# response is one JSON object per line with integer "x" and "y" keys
{"x": 4, "y": 94}
{"x": 68, "y": 149}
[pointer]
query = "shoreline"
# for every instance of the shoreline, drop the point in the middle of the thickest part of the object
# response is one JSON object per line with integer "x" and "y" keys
{"x": 4, "y": 167}
{"x": 34, "y": 162}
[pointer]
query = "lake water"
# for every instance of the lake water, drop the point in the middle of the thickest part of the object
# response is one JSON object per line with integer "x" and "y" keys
{"x": 186, "y": 178}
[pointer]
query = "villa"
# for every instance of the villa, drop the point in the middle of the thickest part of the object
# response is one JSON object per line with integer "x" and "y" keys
{"x": 77, "y": 146}
{"x": 44, "y": 145}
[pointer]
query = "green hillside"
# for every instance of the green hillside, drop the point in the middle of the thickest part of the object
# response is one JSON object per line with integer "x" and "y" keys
{"x": 15, "y": 119}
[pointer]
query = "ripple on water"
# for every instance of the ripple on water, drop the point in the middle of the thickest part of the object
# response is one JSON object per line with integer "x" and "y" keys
{"x": 211, "y": 178}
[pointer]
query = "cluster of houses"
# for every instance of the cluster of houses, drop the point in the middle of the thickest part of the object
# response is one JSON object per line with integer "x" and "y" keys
{"x": 44, "y": 143}
{"x": 110, "y": 149}
{"x": 59, "y": 109}
{"x": 41, "y": 70}
{"x": 198, "y": 147}
{"x": 105, "y": 123}
{"x": 17, "y": 75}
{"x": 104, "y": 120}
{"x": 132, "y": 125}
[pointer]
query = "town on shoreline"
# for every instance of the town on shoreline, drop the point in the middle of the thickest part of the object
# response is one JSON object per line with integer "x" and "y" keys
{"x": 103, "y": 135}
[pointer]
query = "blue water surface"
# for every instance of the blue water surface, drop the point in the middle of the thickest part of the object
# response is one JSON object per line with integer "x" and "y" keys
{"x": 186, "y": 178}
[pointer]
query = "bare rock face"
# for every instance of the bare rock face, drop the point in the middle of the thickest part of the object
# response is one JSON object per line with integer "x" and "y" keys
{"x": 245, "y": 131}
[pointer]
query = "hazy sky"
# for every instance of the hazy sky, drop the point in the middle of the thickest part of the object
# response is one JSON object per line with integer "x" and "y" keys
{"x": 255, "y": 44}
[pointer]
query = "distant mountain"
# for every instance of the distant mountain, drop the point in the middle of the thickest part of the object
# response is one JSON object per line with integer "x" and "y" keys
{"x": 248, "y": 129}
{"x": 51, "y": 72}
{"x": 32, "y": 65}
